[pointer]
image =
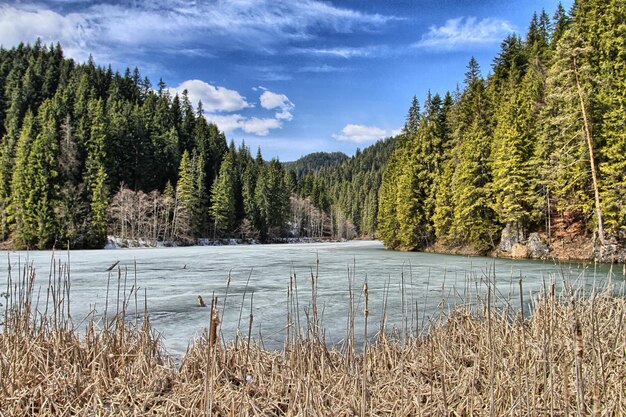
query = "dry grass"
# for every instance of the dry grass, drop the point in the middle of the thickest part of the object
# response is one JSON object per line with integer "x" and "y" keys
{"x": 567, "y": 358}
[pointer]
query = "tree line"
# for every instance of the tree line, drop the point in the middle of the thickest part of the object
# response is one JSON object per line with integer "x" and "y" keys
{"x": 86, "y": 152}
{"x": 537, "y": 146}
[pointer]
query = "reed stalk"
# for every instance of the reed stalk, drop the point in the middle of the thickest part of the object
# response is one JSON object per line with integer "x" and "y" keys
{"x": 567, "y": 351}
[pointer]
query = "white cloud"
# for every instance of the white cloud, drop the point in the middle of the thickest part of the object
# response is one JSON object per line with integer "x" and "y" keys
{"x": 284, "y": 115}
{"x": 214, "y": 99}
{"x": 360, "y": 133}
{"x": 465, "y": 31}
{"x": 260, "y": 127}
{"x": 322, "y": 69}
{"x": 257, "y": 126}
{"x": 345, "y": 51}
{"x": 226, "y": 122}
{"x": 271, "y": 100}
{"x": 29, "y": 23}
{"x": 99, "y": 27}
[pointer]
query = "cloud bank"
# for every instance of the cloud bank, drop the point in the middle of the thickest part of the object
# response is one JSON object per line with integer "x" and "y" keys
{"x": 105, "y": 28}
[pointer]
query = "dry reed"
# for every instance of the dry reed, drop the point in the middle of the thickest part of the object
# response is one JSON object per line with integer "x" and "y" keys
{"x": 567, "y": 356}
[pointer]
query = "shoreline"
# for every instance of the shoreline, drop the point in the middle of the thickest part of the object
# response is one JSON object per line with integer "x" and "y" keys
{"x": 121, "y": 243}
{"x": 475, "y": 358}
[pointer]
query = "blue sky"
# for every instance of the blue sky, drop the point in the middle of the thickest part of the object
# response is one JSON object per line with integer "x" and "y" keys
{"x": 293, "y": 76}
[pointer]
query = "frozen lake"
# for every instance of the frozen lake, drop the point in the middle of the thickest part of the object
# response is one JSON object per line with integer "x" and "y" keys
{"x": 172, "y": 278}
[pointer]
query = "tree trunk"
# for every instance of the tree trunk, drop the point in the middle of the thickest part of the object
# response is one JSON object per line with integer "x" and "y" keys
{"x": 591, "y": 156}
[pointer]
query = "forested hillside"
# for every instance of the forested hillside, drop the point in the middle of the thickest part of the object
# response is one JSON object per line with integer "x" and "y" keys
{"x": 314, "y": 162}
{"x": 86, "y": 152}
{"x": 527, "y": 161}
{"x": 538, "y": 147}
{"x": 350, "y": 190}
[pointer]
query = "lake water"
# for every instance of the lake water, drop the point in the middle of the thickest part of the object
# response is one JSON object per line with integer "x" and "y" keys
{"x": 414, "y": 285}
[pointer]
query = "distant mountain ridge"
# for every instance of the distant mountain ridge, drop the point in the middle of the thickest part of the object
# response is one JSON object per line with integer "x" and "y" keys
{"x": 314, "y": 162}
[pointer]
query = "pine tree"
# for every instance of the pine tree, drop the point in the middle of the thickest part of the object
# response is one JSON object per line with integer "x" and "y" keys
{"x": 222, "y": 208}
{"x": 419, "y": 169}
{"x": 441, "y": 196}
{"x": 98, "y": 209}
{"x": 182, "y": 227}
{"x": 570, "y": 102}
{"x": 16, "y": 106}
{"x": 612, "y": 96}
{"x": 22, "y": 228}
{"x": 413, "y": 118}
{"x": 40, "y": 187}
{"x": 388, "y": 224}
{"x": 473, "y": 222}
{"x": 200, "y": 198}
{"x": 511, "y": 177}
{"x": 272, "y": 200}
{"x": 95, "y": 176}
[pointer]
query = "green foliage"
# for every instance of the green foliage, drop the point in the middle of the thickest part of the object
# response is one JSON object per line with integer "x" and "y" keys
{"x": 22, "y": 228}
{"x": 223, "y": 198}
{"x": 314, "y": 162}
{"x": 412, "y": 119}
{"x": 184, "y": 199}
{"x": 98, "y": 209}
{"x": 520, "y": 147}
{"x": 110, "y": 130}
{"x": 272, "y": 200}
{"x": 388, "y": 224}
{"x": 38, "y": 229}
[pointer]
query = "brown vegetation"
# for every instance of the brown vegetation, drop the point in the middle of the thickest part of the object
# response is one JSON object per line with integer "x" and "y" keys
{"x": 565, "y": 357}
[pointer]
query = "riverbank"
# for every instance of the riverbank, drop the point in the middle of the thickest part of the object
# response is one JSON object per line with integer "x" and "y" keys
{"x": 538, "y": 246}
{"x": 114, "y": 242}
{"x": 564, "y": 356}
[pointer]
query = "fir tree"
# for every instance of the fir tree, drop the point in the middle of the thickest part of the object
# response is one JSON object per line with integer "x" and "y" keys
{"x": 40, "y": 187}
{"x": 413, "y": 118}
{"x": 182, "y": 228}
{"x": 222, "y": 208}
{"x": 22, "y": 227}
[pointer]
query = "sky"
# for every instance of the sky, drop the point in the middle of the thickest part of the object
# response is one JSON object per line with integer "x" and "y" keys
{"x": 290, "y": 76}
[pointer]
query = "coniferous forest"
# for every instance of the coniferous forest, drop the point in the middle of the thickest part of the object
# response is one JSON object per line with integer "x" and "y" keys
{"x": 538, "y": 148}
{"x": 535, "y": 152}
{"x": 87, "y": 152}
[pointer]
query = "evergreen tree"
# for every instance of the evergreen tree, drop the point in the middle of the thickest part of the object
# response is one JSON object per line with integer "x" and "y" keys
{"x": 22, "y": 227}
{"x": 16, "y": 106}
{"x": 473, "y": 221}
{"x": 40, "y": 187}
{"x": 571, "y": 168}
{"x": 413, "y": 118}
{"x": 223, "y": 198}
{"x": 388, "y": 224}
{"x": 272, "y": 200}
{"x": 98, "y": 209}
{"x": 200, "y": 198}
{"x": 511, "y": 177}
{"x": 612, "y": 95}
{"x": 182, "y": 223}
